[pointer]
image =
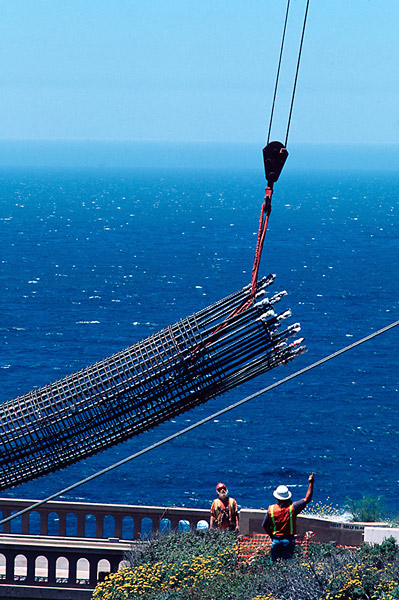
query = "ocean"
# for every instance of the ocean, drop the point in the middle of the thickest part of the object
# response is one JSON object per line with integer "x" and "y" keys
{"x": 93, "y": 261}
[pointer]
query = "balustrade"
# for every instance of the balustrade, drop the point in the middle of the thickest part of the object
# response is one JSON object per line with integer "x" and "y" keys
{"x": 111, "y": 520}
{"x": 46, "y": 562}
{"x": 55, "y": 556}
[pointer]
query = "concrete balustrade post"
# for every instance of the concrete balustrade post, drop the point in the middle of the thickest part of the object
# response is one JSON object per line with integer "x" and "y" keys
{"x": 52, "y": 559}
{"x": 44, "y": 522}
{"x": 10, "y": 560}
{"x": 81, "y": 523}
{"x": 136, "y": 527}
{"x": 100, "y": 526}
{"x": 62, "y": 523}
{"x": 93, "y": 561}
{"x": 72, "y": 574}
{"x": 118, "y": 526}
{"x": 174, "y": 522}
{"x": 30, "y": 575}
{"x": 114, "y": 562}
{"x": 25, "y": 524}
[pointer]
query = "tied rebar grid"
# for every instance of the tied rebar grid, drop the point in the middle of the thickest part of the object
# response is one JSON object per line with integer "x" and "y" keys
{"x": 154, "y": 380}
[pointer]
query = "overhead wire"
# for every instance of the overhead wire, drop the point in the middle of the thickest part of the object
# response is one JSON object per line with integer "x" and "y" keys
{"x": 201, "y": 422}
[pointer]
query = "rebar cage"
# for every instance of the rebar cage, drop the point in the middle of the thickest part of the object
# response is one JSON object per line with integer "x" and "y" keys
{"x": 182, "y": 366}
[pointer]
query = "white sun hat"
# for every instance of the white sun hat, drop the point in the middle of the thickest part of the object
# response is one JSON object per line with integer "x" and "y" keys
{"x": 282, "y": 493}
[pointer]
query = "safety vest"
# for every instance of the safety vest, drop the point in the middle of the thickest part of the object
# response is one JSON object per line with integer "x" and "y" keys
{"x": 221, "y": 510}
{"x": 283, "y": 519}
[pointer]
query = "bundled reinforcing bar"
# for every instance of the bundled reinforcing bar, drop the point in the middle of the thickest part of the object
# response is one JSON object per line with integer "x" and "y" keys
{"x": 168, "y": 373}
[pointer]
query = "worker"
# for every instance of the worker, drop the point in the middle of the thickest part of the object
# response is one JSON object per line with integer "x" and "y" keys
{"x": 224, "y": 512}
{"x": 280, "y": 520}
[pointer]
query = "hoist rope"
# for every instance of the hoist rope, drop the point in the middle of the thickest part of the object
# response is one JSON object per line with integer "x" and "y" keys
{"x": 297, "y": 71}
{"x": 202, "y": 421}
{"x": 278, "y": 71}
{"x": 266, "y": 207}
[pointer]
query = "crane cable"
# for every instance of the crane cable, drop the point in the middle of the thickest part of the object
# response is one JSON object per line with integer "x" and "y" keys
{"x": 279, "y": 69}
{"x": 297, "y": 71}
{"x": 202, "y": 421}
{"x": 275, "y": 153}
{"x": 272, "y": 173}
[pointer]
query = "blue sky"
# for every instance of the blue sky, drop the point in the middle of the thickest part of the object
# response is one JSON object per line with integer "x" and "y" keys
{"x": 197, "y": 70}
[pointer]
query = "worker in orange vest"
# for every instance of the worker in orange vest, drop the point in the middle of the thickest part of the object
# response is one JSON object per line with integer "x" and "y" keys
{"x": 224, "y": 512}
{"x": 280, "y": 520}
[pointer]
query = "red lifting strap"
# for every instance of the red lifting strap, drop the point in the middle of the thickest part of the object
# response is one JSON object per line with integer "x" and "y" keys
{"x": 263, "y": 222}
{"x": 274, "y": 157}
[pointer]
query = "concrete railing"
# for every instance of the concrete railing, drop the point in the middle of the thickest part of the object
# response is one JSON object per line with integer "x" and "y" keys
{"x": 63, "y": 562}
{"x": 134, "y": 522}
{"x": 100, "y": 521}
{"x": 68, "y": 544}
{"x": 326, "y": 530}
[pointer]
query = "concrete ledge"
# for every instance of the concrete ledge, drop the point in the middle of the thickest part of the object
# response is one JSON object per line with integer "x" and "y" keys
{"x": 67, "y": 544}
{"x": 326, "y": 530}
{"x": 376, "y": 535}
{"x": 47, "y": 593}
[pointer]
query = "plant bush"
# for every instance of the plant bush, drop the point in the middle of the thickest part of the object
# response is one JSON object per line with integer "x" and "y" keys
{"x": 176, "y": 566}
{"x": 368, "y": 509}
{"x": 189, "y": 566}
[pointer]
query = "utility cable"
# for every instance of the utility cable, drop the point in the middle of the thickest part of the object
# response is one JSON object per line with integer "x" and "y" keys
{"x": 202, "y": 421}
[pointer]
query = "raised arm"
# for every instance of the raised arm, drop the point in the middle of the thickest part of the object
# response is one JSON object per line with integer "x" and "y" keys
{"x": 309, "y": 493}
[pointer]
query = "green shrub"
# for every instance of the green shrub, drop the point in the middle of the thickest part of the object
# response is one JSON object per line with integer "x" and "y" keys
{"x": 368, "y": 509}
{"x": 388, "y": 550}
{"x": 204, "y": 566}
{"x": 175, "y": 547}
